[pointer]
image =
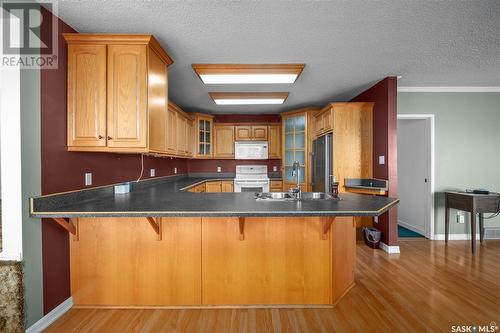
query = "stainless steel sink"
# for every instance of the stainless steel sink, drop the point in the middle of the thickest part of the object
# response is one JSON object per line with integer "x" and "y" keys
{"x": 315, "y": 196}
{"x": 285, "y": 196}
{"x": 276, "y": 196}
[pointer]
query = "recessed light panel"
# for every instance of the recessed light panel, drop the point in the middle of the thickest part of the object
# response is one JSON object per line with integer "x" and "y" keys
{"x": 248, "y": 74}
{"x": 248, "y": 98}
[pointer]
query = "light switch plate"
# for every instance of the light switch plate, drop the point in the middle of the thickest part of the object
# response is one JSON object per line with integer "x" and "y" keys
{"x": 152, "y": 172}
{"x": 275, "y": 168}
{"x": 175, "y": 170}
{"x": 219, "y": 169}
{"x": 460, "y": 217}
{"x": 381, "y": 159}
{"x": 88, "y": 178}
{"x": 375, "y": 219}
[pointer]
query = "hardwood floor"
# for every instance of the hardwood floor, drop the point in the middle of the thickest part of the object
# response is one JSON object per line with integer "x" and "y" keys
{"x": 426, "y": 288}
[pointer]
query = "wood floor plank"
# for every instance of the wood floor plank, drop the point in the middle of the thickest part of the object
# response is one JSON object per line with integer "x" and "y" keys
{"x": 426, "y": 288}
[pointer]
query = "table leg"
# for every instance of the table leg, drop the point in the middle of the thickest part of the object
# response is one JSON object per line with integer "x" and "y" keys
{"x": 473, "y": 230}
{"x": 481, "y": 227}
{"x": 446, "y": 222}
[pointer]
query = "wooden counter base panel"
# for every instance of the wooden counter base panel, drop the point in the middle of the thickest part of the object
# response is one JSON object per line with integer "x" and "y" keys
{"x": 296, "y": 262}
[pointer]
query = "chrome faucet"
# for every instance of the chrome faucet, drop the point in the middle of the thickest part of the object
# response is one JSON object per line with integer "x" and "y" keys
{"x": 297, "y": 192}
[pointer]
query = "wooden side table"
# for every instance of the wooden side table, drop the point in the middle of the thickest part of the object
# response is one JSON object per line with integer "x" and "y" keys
{"x": 474, "y": 204}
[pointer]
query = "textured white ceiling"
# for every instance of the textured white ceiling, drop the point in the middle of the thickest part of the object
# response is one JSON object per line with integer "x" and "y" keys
{"x": 346, "y": 45}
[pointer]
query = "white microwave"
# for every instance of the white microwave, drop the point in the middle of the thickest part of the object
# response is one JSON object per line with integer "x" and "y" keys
{"x": 251, "y": 150}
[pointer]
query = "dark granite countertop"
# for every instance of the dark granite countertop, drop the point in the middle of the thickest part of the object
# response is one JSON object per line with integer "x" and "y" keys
{"x": 166, "y": 197}
{"x": 366, "y": 183}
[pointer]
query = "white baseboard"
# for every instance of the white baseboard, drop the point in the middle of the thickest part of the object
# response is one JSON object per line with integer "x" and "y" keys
{"x": 455, "y": 236}
{"x": 51, "y": 317}
{"x": 389, "y": 249}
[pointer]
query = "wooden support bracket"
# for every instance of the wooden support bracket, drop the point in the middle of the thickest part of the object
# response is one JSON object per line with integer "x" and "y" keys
{"x": 326, "y": 224}
{"x": 242, "y": 227}
{"x": 71, "y": 225}
{"x": 155, "y": 222}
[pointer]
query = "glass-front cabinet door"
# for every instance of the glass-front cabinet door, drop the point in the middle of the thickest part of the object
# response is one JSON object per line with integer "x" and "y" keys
{"x": 204, "y": 130}
{"x": 295, "y": 146}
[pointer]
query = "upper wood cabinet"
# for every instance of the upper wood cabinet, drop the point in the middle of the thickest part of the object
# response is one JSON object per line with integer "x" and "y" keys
{"x": 274, "y": 140}
{"x": 243, "y": 133}
{"x": 127, "y": 97}
{"x": 251, "y": 132}
{"x": 323, "y": 121}
{"x": 179, "y": 132}
{"x": 352, "y": 126}
{"x": 297, "y": 144}
{"x": 204, "y": 135}
{"x": 115, "y": 84}
{"x": 223, "y": 141}
{"x": 157, "y": 101}
{"x": 86, "y": 95}
{"x": 259, "y": 133}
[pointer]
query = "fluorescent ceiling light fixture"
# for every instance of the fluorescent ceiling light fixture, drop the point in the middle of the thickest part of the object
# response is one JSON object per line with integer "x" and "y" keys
{"x": 248, "y": 74}
{"x": 240, "y": 98}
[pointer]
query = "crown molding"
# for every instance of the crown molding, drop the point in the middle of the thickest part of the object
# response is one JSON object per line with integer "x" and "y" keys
{"x": 449, "y": 89}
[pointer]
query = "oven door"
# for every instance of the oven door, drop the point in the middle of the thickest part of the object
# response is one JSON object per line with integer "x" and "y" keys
{"x": 251, "y": 186}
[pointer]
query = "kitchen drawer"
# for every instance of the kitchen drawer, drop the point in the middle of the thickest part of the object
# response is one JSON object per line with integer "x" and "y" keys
{"x": 276, "y": 185}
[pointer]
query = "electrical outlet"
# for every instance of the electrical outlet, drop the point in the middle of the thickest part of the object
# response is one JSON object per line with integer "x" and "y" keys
{"x": 381, "y": 159}
{"x": 88, "y": 178}
{"x": 375, "y": 219}
{"x": 152, "y": 172}
{"x": 175, "y": 170}
{"x": 275, "y": 168}
{"x": 460, "y": 217}
{"x": 219, "y": 169}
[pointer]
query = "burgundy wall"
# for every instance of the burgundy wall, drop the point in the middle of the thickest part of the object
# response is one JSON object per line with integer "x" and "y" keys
{"x": 64, "y": 171}
{"x": 384, "y": 94}
{"x": 242, "y": 118}
{"x": 229, "y": 165}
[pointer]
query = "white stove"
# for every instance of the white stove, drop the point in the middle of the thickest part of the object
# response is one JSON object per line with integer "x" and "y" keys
{"x": 251, "y": 178}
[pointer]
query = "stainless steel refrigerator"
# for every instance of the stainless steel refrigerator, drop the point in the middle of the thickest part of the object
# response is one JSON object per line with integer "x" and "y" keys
{"x": 322, "y": 163}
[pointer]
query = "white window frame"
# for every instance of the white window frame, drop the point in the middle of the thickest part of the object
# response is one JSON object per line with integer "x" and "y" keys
{"x": 10, "y": 135}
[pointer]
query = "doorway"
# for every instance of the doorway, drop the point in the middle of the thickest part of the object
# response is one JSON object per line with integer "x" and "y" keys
{"x": 416, "y": 175}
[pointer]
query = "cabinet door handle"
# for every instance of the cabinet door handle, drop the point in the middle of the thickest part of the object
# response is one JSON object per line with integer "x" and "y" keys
{"x": 109, "y": 138}
{"x": 100, "y": 137}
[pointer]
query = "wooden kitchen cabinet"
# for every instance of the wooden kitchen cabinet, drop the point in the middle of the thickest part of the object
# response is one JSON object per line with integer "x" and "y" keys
{"x": 190, "y": 137}
{"x": 259, "y": 133}
{"x": 227, "y": 186}
{"x": 223, "y": 141}
{"x": 204, "y": 135}
{"x": 180, "y": 132}
{"x": 112, "y": 93}
{"x": 87, "y": 95}
{"x": 352, "y": 126}
{"x": 170, "y": 128}
{"x": 127, "y": 120}
{"x": 274, "y": 141}
{"x": 243, "y": 133}
{"x": 276, "y": 185}
{"x": 251, "y": 132}
{"x": 323, "y": 122}
{"x": 213, "y": 186}
{"x": 297, "y": 145}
